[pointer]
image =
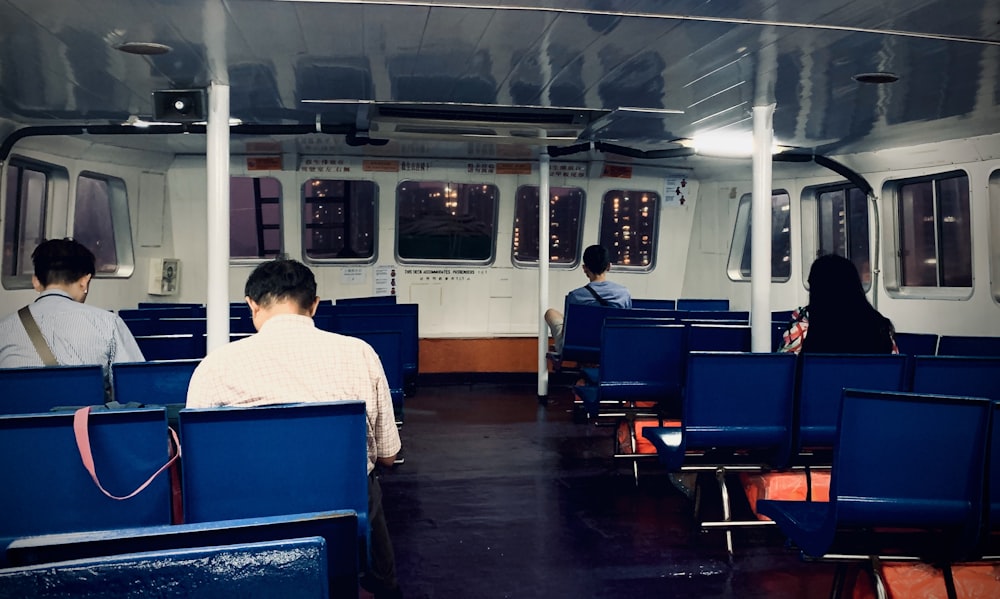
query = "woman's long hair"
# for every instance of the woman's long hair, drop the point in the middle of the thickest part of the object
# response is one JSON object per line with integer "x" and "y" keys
{"x": 840, "y": 318}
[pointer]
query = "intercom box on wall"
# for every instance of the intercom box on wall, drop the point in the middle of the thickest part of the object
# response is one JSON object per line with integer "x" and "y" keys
{"x": 164, "y": 276}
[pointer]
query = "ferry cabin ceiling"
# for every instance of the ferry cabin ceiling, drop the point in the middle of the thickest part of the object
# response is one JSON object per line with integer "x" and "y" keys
{"x": 439, "y": 79}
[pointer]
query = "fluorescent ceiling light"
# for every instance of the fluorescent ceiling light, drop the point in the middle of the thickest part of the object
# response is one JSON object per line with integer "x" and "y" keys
{"x": 731, "y": 144}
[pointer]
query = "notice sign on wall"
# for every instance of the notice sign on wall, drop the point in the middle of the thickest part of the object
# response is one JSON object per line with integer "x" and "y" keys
{"x": 676, "y": 191}
{"x": 385, "y": 279}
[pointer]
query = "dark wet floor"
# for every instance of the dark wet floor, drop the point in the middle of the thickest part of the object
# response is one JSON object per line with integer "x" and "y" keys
{"x": 500, "y": 497}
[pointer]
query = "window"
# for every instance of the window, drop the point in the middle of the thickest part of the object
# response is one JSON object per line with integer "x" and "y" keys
{"x": 565, "y": 221}
{"x": 446, "y": 221}
{"x": 30, "y": 187}
{"x": 781, "y": 239}
{"x": 935, "y": 240}
{"x": 339, "y": 220}
{"x": 842, "y": 227}
{"x": 101, "y": 222}
{"x": 628, "y": 227}
{"x": 254, "y": 217}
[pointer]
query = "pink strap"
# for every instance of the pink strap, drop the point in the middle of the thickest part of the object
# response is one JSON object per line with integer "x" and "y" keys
{"x": 80, "y": 418}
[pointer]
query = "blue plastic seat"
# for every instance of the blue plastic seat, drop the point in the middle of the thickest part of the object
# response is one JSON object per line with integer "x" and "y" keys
{"x": 822, "y": 379}
{"x": 916, "y": 344}
{"x": 337, "y": 528}
{"x": 718, "y": 337}
{"x": 47, "y": 490}
{"x": 284, "y": 568}
{"x": 388, "y": 346}
{"x": 639, "y": 362}
{"x": 582, "y": 336}
{"x": 716, "y": 305}
{"x": 274, "y": 460}
{"x": 33, "y": 390}
{"x": 904, "y": 462}
{"x": 963, "y": 345}
{"x": 654, "y": 304}
{"x": 957, "y": 375}
{"x": 153, "y": 383}
{"x": 172, "y": 347}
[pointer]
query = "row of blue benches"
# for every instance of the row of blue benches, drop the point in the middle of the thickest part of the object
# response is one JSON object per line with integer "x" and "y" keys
{"x": 585, "y": 325}
{"x": 249, "y": 475}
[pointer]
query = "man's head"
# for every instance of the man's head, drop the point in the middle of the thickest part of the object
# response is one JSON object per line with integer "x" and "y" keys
{"x": 596, "y": 260}
{"x": 281, "y": 286}
{"x": 65, "y": 263}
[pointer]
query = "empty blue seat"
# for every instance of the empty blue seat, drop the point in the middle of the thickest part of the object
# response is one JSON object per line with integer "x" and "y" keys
{"x": 405, "y": 318}
{"x": 374, "y": 300}
{"x": 959, "y": 345}
{"x": 284, "y": 568}
{"x": 639, "y": 362}
{"x": 339, "y": 529}
{"x": 718, "y": 337}
{"x": 821, "y": 382}
{"x": 31, "y": 390}
{"x": 902, "y": 461}
{"x": 718, "y": 305}
{"x": 916, "y": 344}
{"x": 654, "y": 304}
{"x": 971, "y": 376}
{"x": 583, "y": 326}
{"x": 47, "y": 490}
{"x": 274, "y": 460}
{"x": 158, "y": 383}
{"x": 172, "y": 347}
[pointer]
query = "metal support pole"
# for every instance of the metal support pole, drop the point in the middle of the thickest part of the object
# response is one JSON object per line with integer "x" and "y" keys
{"x": 543, "y": 273}
{"x": 217, "y": 167}
{"x": 760, "y": 230}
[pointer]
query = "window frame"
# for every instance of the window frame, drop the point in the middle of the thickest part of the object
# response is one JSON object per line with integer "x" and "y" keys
{"x": 450, "y": 262}
{"x": 994, "y": 241}
{"x": 892, "y": 266}
{"x": 259, "y": 225}
{"x": 56, "y": 187}
{"x": 375, "y": 224}
{"x": 121, "y": 222}
{"x": 810, "y": 219}
{"x": 577, "y": 253}
{"x": 741, "y": 238}
{"x": 655, "y": 233}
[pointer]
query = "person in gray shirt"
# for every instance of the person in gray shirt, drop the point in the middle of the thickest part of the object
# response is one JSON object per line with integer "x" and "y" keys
{"x": 74, "y": 332}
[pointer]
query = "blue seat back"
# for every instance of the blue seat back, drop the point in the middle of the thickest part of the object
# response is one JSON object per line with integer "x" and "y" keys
{"x": 163, "y": 311}
{"x": 273, "y": 460}
{"x": 582, "y": 336}
{"x": 641, "y": 361}
{"x": 718, "y": 337}
{"x": 916, "y": 344}
{"x": 740, "y": 401}
{"x": 993, "y": 478}
{"x": 31, "y": 390}
{"x": 716, "y": 305}
{"x": 47, "y": 489}
{"x": 388, "y": 346}
{"x": 156, "y": 383}
{"x": 172, "y": 347}
{"x": 910, "y": 460}
{"x": 654, "y": 304}
{"x": 284, "y": 568}
{"x": 375, "y": 300}
{"x": 821, "y": 382}
{"x": 405, "y": 318}
{"x": 958, "y": 345}
{"x": 970, "y": 376}
{"x": 338, "y": 528}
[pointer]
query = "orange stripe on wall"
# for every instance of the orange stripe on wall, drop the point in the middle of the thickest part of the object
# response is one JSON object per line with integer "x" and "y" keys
{"x": 504, "y": 354}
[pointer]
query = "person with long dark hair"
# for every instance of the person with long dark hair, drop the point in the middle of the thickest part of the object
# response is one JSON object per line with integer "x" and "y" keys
{"x": 838, "y": 319}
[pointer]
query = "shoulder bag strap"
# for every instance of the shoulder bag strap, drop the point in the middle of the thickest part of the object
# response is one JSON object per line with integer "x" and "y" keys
{"x": 80, "y": 418}
{"x": 597, "y": 296}
{"x": 35, "y": 334}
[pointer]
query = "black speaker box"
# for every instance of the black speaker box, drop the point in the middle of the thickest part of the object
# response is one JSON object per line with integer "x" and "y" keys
{"x": 179, "y": 105}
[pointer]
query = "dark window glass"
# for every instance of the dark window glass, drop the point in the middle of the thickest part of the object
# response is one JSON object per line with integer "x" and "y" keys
{"x": 93, "y": 221}
{"x": 565, "y": 219}
{"x": 446, "y": 221}
{"x": 254, "y": 217}
{"x": 843, "y": 227}
{"x": 339, "y": 219}
{"x": 935, "y": 241}
{"x": 24, "y": 223}
{"x": 628, "y": 226}
{"x": 781, "y": 236}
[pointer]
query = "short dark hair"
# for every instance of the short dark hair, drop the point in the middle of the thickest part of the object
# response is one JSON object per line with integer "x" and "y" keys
{"x": 596, "y": 259}
{"x": 282, "y": 279}
{"x": 62, "y": 261}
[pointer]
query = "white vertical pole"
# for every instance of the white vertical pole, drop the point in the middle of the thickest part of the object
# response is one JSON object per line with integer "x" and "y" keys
{"x": 760, "y": 230}
{"x": 543, "y": 272}
{"x": 217, "y": 167}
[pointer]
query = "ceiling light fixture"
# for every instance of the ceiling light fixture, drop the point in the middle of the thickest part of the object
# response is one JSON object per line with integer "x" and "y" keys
{"x": 144, "y": 48}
